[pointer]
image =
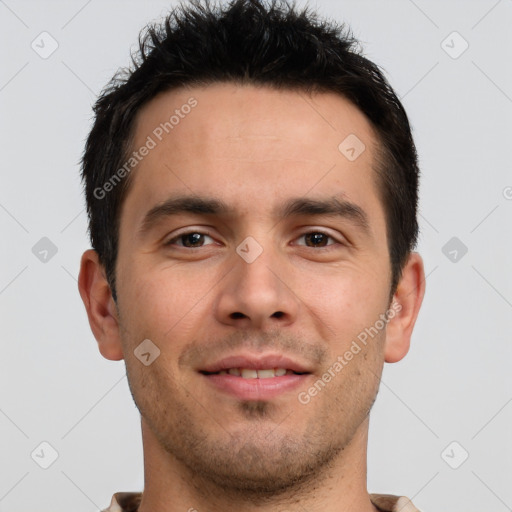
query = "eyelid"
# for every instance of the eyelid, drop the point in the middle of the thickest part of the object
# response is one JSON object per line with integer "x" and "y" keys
{"x": 186, "y": 231}
{"x": 306, "y": 231}
{"x": 339, "y": 239}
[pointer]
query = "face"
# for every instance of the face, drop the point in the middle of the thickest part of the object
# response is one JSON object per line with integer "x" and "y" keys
{"x": 280, "y": 262}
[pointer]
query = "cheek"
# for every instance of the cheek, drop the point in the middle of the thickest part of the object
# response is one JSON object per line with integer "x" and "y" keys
{"x": 348, "y": 304}
{"x": 351, "y": 290}
{"x": 159, "y": 302}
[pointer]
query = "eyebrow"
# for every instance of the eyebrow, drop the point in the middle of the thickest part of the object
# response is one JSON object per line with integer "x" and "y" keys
{"x": 299, "y": 206}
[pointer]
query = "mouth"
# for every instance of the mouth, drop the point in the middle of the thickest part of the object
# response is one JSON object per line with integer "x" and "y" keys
{"x": 248, "y": 377}
{"x": 251, "y": 373}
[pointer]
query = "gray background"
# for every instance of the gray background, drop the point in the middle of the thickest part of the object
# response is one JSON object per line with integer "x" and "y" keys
{"x": 455, "y": 383}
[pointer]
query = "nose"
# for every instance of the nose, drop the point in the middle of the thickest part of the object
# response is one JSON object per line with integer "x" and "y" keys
{"x": 257, "y": 294}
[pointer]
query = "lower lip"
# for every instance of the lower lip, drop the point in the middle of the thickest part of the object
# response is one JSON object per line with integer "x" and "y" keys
{"x": 256, "y": 389}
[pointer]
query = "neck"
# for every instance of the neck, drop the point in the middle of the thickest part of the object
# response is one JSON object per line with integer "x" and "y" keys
{"x": 171, "y": 486}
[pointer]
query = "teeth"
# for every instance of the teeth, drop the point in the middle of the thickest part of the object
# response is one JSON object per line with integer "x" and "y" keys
{"x": 249, "y": 373}
{"x": 266, "y": 374}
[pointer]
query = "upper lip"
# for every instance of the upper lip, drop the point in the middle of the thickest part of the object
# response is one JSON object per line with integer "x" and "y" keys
{"x": 255, "y": 362}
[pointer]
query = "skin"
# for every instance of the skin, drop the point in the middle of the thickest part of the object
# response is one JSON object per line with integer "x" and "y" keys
{"x": 254, "y": 148}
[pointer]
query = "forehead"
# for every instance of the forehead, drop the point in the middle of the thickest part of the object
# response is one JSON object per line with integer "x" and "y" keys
{"x": 250, "y": 143}
{"x": 230, "y": 112}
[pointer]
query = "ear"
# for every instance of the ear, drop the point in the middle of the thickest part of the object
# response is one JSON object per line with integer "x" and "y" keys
{"x": 406, "y": 304}
{"x": 101, "y": 308}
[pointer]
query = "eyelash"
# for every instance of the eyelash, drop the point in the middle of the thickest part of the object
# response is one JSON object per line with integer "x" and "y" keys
{"x": 315, "y": 231}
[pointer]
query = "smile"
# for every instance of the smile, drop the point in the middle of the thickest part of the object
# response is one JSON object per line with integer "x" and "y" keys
{"x": 251, "y": 373}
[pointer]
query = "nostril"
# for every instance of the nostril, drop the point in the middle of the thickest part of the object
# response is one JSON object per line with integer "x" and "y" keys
{"x": 237, "y": 314}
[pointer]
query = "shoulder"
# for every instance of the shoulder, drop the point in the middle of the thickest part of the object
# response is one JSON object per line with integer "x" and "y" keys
{"x": 124, "y": 502}
{"x": 393, "y": 503}
{"x": 129, "y": 502}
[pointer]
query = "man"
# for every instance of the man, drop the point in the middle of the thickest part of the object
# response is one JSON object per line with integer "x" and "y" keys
{"x": 252, "y": 189}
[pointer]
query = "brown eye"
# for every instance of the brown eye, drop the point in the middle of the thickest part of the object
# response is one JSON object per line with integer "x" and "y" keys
{"x": 316, "y": 239}
{"x": 191, "y": 240}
